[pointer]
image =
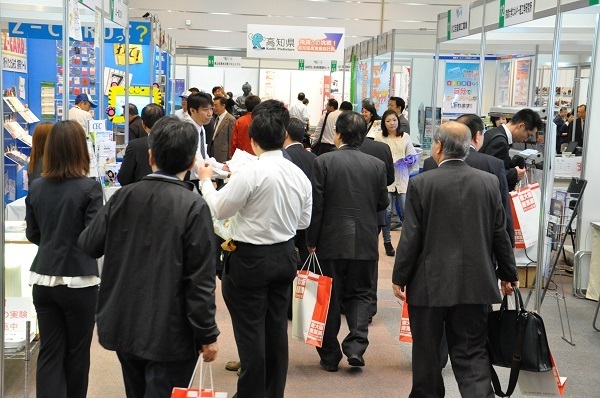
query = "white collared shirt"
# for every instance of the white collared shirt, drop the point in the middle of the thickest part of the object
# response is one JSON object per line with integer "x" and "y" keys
{"x": 183, "y": 115}
{"x": 266, "y": 202}
{"x": 328, "y": 129}
{"x": 220, "y": 120}
{"x": 300, "y": 111}
{"x": 201, "y": 141}
{"x": 508, "y": 134}
{"x": 448, "y": 160}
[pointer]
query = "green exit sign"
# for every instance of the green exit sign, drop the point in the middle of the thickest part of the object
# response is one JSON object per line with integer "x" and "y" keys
{"x": 211, "y": 61}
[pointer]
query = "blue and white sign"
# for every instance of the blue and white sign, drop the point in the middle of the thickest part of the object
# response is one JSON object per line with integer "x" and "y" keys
{"x": 138, "y": 32}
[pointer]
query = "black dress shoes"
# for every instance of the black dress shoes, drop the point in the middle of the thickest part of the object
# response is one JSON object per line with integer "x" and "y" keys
{"x": 389, "y": 249}
{"x": 356, "y": 360}
{"x": 329, "y": 367}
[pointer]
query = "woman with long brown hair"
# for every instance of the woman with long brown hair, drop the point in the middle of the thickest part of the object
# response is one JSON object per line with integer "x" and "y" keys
{"x": 60, "y": 204}
{"x": 36, "y": 158}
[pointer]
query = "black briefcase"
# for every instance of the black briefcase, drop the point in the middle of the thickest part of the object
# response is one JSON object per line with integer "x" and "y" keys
{"x": 516, "y": 340}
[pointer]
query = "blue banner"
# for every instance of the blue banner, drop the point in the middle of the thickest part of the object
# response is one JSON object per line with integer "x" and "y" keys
{"x": 139, "y": 32}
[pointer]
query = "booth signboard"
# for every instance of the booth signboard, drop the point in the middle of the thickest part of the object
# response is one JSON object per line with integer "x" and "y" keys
{"x": 14, "y": 53}
{"x": 460, "y": 88}
{"x": 382, "y": 43}
{"x": 513, "y": 12}
{"x": 458, "y": 22}
{"x": 295, "y": 42}
{"x": 119, "y": 12}
{"x": 364, "y": 50}
{"x": 138, "y": 32}
{"x": 217, "y": 61}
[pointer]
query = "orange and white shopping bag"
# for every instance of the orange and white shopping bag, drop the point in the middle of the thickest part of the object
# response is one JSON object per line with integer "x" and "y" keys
{"x": 542, "y": 384}
{"x": 310, "y": 302}
{"x": 525, "y": 207}
{"x": 191, "y": 392}
{"x": 405, "y": 334}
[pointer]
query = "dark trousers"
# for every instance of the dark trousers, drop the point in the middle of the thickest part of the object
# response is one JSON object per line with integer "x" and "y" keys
{"x": 466, "y": 332}
{"x": 324, "y": 148}
{"x": 256, "y": 288}
{"x": 150, "y": 379}
{"x": 66, "y": 320}
{"x": 352, "y": 288}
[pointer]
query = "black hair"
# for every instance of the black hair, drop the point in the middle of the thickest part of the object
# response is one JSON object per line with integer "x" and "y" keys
{"x": 133, "y": 110}
{"x": 151, "y": 114}
{"x": 301, "y": 96}
{"x": 305, "y": 101}
{"x": 346, "y": 106}
{"x": 215, "y": 88}
{"x": 399, "y": 103}
{"x": 198, "y": 100}
{"x": 173, "y": 144}
{"x": 370, "y": 108}
{"x": 296, "y": 129}
{"x": 269, "y": 121}
{"x": 384, "y": 130}
{"x": 351, "y": 127}
{"x": 531, "y": 119}
{"x": 333, "y": 103}
{"x": 251, "y": 102}
{"x": 473, "y": 122}
{"x": 194, "y": 90}
{"x": 221, "y": 100}
{"x": 494, "y": 119}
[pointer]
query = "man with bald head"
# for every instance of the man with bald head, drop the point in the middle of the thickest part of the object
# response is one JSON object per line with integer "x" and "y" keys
{"x": 454, "y": 225}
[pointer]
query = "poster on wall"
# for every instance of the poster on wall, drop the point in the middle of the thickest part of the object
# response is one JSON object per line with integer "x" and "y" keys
{"x": 295, "y": 42}
{"x": 460, "y": 89}
{"x": 381, "y": 85}
{"x": 363, "y": 80}
{"x": 14, "y": 53}
{"x": 521, "y": 82}
{"x": 503, "y": 84}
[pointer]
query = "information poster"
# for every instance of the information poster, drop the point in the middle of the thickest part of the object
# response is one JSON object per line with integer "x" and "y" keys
{"x": 381, "y": 85}
{"x": 363, "y": 81}
{"x": 14, "y": 53}
{"x": 503, "y": 83}
{"x": 460, "y": 89}
{"x": 521, "y": 82}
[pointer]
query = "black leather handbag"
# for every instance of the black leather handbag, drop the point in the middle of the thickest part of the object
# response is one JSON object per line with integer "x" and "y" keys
{"x": 516, "y": 340}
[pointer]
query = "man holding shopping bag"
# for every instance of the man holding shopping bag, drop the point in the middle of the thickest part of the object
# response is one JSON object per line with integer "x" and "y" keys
{"x": 349, "y": 188}
{"x": 266, "y": 203}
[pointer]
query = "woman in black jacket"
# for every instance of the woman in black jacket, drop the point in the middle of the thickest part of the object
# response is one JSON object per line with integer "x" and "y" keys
{"x": 65, "y": 280}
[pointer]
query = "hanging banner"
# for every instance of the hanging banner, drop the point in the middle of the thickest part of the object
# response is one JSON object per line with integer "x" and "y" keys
{"x": 503, "y": 83}
{"x": 14, "y": 53}
{"x": 521, "y": 82}
{"x": 458, "y": 22}
{"x": 364, "y": 79}
{"x": 515, "y": 11}
{"x": 217, "y": 61}
{"x": 295, "y": 42}
{"x": 460, "y": 90}
{"x": 74, "y": 21}
{"x": 381, "y": 85}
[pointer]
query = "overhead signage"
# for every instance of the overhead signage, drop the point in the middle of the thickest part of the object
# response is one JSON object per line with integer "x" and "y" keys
{"x": 138, "y": 32}
{"x": 513, "y": 12}
{"x": 91, "y": 4}
{"x": 364, "y": 50}
{"x": 382, "y": 40}
{"x": 295, "y": 42}
{"x": 14, "y": 53}
{"x": 460, "y": 89}
{"x": 217, "y": 61}
{"x": 458, "y": 22}
{"x": 119, "y": 12}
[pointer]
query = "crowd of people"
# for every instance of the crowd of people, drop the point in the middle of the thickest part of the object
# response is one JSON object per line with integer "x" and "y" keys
{"x": 331, "y": 193}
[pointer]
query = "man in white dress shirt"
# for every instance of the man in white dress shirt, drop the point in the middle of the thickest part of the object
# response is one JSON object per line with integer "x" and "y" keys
{"x": 80, "y": 112}
{"x": 299, "y": 110}
{"x": 323, "y": 137}
{"x": 200, "y": 111}
{"x": 266, "y": 203}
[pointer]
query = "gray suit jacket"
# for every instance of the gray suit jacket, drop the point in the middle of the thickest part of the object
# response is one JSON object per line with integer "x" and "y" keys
{"x": 222, "y": 139}
{"x": 454, "y": 226}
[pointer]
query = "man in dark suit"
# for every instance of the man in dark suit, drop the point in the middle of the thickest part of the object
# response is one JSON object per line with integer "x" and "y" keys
{"x": 483, "y": 162}
{"x": 136, "y": 128}
{"x": 578, "y": 126}
{"x": 304, "y": 160}
{"x": 349, "y": 188}
{"x": 136, "y": 163}
{"x": 453, "y": 226}
{"x": 382, "y": 152}
{"x": 497, "y": 141}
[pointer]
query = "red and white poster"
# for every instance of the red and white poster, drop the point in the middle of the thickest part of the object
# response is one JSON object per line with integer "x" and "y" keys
{"x": 14, "y": 53}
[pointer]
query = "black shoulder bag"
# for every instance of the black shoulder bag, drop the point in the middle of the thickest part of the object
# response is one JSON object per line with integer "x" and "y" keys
{"x": 316, "y": 149}
{"x": 516, "y": 340}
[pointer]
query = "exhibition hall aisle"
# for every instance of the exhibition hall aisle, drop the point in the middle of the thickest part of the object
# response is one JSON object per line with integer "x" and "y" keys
{"x": 387, "y": 373}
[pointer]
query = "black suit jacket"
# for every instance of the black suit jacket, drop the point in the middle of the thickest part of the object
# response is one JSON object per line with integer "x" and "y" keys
{"x": 490, "y": 164}
{"x": 495, "y": 143}
{"x": 454, "y": 226}
{"x": 578, "y": 136}
{"x": 56, "y": 212}
{"x": 349, "y": 188}
{"x": 301, "y": 158}
{"x": 136, "y": 129}
{"x": 382, "y": 152}
{"x": 136, "y": 162}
